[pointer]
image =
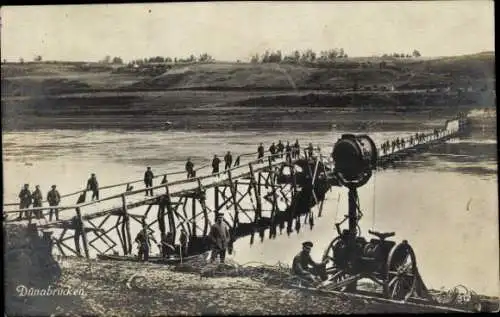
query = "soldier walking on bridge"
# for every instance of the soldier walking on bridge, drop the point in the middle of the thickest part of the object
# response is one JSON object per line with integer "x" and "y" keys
{"x": 24, "y": 201}
{"x": 310, "y": 150}
{"x": 384, "y": 147}
{"x": 189, "y": 168}
{"x": 228, "y": 160}
{"x": 260, "y": 153}
{"x": 37, "y": 202}
{"x": 280, "y": 147}
{"x": 272, "y": 150}
{"x": 148, "y": 181}
{"x": 296, "y": 149}
{"x": 215, "y": 164}
{"x": 93, "y": 185}
{"x": 288, "y": 150}
{"x": 53, "y": 198}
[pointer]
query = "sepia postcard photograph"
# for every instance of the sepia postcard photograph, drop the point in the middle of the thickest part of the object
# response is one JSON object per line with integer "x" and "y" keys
{"x": 249, "y": 158}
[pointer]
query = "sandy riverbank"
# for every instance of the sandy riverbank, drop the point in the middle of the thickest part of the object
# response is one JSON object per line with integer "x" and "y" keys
{"x": 132, "y": 289}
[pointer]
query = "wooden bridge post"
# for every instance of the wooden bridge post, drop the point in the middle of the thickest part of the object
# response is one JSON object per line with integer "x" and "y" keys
{"x": 83, "y": 233}
{"x": 271, "y": 179}
{"x": 170, "y": 212}
{"x": 126, "y": 219}
{"x": 203, "y": 207}
{"x": 258, "y": 212}
{"x": 216, "y": 197}
{"x": 233, "y": 194}
{"x": 193, "y": 216}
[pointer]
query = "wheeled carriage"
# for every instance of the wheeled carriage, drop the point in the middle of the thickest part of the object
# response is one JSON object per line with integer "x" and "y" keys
{"x": 392, "y": 266}
{"x": 350, "y": 257}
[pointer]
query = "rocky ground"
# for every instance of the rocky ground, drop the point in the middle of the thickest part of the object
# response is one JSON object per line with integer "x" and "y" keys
{"x": 132, "y": 289}
{"x": 121, "y": 288}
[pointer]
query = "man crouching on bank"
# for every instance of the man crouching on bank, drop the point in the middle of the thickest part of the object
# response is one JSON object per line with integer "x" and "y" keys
{"x": 304, "y": 266}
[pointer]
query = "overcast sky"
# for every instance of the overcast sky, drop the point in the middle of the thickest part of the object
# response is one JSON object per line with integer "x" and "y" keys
{"x": 236, "y": 30}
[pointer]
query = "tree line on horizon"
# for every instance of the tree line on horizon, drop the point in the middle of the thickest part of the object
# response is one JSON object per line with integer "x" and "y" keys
{"x": 295, "y": 57}
{"x": 309, "y": 56}
{"x": 203, "y": 58}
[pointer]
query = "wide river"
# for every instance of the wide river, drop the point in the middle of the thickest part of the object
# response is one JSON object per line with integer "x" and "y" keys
{"x": 445, "y": 203}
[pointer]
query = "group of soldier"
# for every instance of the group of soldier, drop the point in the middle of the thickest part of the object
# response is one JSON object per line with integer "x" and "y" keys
{"x": 219, "y": 238}
{"x": 278, "y": 150}
{"x": 34, "y": 199}
{"x": 28, "y": 199}
{"x": 400, "y": 143}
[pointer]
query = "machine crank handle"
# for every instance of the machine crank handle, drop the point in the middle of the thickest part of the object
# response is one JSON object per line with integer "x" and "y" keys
{"x": 337, "y": 226}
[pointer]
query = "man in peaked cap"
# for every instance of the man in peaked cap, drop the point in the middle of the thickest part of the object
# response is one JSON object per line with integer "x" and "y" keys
{"x": 304, "y": 266}
{"x": 220, "y": 239}
{"x": 148, "y": 180}
{"x": 93, "y": 185}
{"x": 25, "y": 201}
{"x": 53, "y": 197}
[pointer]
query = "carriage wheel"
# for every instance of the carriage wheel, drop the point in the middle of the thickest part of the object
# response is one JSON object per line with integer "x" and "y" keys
{"x": 401, "y": 272}
{"x": 335, "y": 273}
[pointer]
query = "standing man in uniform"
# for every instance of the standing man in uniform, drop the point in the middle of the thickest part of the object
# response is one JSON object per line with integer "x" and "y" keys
{"x": 272, "y": 150}
{"x": 310, "y": 150}
{"x": 220, "y": 238}
{"x": 167, "y": 244}
{"x": 189, "y": 168}
{"x": 280, "y": 147}
{"x": 78, "y": 227}
{"x": 143, "y": 239}
{"x": 37, "y": 201}
{"x": 215, "y": 165}
{"x": 53, "y": 198}
{"x": 93, "y": 185}
{"x": 228, "y": 160}
{"x": 288, "y": 150}
{"x": 148, "y": 181}
{"x": 183, "y": 240}
{"x": 24, "y": 200}
{"x": 260, "y": 151}
{"x": 296, "y": 149}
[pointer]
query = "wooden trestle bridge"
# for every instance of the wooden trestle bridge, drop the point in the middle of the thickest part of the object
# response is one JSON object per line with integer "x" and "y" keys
{"x": 254, "y": 195}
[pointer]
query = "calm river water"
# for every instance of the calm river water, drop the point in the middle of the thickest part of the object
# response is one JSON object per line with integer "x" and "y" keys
{"x": 444, "y": 203}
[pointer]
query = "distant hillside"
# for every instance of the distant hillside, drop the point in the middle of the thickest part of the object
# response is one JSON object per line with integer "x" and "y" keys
{"x": 366, "y": 73}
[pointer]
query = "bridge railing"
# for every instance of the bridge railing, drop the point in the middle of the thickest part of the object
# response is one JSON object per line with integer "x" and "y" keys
{"x": 137, "y": 181}
{"x": 175, "y": 186}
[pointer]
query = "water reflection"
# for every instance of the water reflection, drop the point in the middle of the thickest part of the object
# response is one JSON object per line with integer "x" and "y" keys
{"x": 444, "y": 202}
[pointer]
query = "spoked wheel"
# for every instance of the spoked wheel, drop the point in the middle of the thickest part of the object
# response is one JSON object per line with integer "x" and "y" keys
{"x": 334, "y": 272}
{"x": 401, "y": 272}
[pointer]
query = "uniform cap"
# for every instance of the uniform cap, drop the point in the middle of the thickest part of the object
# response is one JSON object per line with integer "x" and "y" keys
{"x": 307, "y": 244}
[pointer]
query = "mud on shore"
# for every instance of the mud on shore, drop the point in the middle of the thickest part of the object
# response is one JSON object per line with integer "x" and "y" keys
{"x": 132, "y": 289}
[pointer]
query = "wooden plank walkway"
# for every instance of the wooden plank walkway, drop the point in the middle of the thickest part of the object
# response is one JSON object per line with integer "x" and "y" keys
{"x": 177, "y": 188}
{"x": 248, "y": 164}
